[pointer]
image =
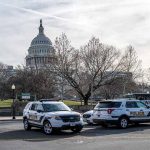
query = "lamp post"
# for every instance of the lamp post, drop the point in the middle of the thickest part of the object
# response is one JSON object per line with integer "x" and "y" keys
{"x": 13, "y": 111}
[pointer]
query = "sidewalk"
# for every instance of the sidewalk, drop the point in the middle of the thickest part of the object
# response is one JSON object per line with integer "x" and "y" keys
{"x": 9, "y": 118}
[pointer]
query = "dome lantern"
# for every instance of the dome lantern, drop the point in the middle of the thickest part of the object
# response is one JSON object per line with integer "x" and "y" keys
{"x": 41, "y": 29}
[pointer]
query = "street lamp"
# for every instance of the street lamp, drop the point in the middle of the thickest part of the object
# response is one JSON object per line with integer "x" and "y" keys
{"x": 13, "y": 111}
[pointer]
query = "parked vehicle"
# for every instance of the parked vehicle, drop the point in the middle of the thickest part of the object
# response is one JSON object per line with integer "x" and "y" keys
{"x": 87, "y": 117}
{"x": 50, "y": 115}
{"x": 121, "y": 112}
{"x": 144, "y": 97}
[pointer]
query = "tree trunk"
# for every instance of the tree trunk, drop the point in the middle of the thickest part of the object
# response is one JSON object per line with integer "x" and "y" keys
{"x": 85, "y": 101}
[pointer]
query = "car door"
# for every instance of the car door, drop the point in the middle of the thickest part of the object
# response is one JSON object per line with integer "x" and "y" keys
{"x": 146, "y": 111}
{"x": 39, "y": 114}
{"x": 133, "y": 111}
{"x": 32, "y": 113}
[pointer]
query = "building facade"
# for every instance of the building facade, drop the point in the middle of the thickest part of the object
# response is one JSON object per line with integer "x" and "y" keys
{"x": 41, "y": 51}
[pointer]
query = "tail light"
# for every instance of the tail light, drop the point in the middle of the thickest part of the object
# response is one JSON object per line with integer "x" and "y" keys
{"x": 109, "y": 111}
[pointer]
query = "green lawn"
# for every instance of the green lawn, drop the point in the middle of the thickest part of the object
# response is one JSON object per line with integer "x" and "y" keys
{"x": 7, "y": 103}
{"x": 69, "y": 102}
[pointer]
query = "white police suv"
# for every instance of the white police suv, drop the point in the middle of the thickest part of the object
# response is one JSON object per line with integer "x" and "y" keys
{"x": 87, "y": 117}
{"x": 50, "y": 115}
{"x": 121, "y": 112}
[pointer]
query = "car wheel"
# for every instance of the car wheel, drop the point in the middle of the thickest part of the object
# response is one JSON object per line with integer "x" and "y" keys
{"x": 123, "y": 122}
{"x": 27, "y": 126}
{"x": 47, "y": 128}
{"x": 76, "y": 129}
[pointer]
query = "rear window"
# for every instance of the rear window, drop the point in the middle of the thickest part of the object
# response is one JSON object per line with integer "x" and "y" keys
{"x": 108, "y": 105}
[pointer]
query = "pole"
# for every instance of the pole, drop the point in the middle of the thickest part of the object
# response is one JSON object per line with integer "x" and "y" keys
{"x": 13, "y": 112}
{"x": 35, "y": 97}
{"x": 62, "y": 90}
{"x": 92, "y": 92}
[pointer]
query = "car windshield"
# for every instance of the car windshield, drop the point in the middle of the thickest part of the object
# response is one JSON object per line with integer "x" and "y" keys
{"x": 108, "y": 105}
{"x": 55, "y": 107}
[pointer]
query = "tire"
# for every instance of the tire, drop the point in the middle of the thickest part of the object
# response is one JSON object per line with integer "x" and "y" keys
{"x": 47, "y": 128}
{"x": 123, "y": 122}
{"x": 27, "y": 126}
{"x": 76, "y": 129}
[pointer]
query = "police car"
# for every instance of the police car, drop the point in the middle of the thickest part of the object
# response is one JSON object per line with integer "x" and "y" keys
{"x": 121, "y": 112}
{"x": 87, "y": 117}
{"x": 50, "y": 115}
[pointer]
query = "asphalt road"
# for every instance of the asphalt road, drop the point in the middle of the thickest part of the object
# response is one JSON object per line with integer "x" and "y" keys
{"x": 13, "y": 137}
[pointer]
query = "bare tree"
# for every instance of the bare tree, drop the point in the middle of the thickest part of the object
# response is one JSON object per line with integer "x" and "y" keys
{"x": 41, "y": 83}
{"x": 131, "y": 65}
{"x": 145, "y": 82}
{"x": 2, "y": 71}
{"x": 4, "y": 87}
{"x": 87, "y": 69}
{"x": 114, "y": 90}
{"x": 131, "y": 62}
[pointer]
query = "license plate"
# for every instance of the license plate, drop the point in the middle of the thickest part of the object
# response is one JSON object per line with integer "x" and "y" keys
{"x": 137, "y": 113}
{"x": 72, "y": 124}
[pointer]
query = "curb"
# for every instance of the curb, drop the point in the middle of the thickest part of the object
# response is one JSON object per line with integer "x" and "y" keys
{"x": 11, "y": 120}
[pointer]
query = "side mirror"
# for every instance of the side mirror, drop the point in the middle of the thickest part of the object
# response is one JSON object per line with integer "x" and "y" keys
{"x": 71, "y": 109}
{"x": 39, "y": 111}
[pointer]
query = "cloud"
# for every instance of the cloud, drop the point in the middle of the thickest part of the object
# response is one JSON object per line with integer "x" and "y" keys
{"x": 115, "y": 22}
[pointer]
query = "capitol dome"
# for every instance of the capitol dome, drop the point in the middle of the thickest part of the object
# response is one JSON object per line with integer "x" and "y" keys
{"x": 41, "y": 51}
{"x": 41, "y": 38}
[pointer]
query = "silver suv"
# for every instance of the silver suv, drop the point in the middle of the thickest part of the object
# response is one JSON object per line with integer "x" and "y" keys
{"x": 50, "y": 115}
{"x": 121, "y": 112}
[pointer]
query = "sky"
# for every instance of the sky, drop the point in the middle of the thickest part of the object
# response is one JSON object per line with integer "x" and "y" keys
{"x": 114, "y": 22}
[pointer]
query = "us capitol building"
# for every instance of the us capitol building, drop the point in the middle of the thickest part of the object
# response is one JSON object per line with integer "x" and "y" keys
{"x": 41, "y": 51}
